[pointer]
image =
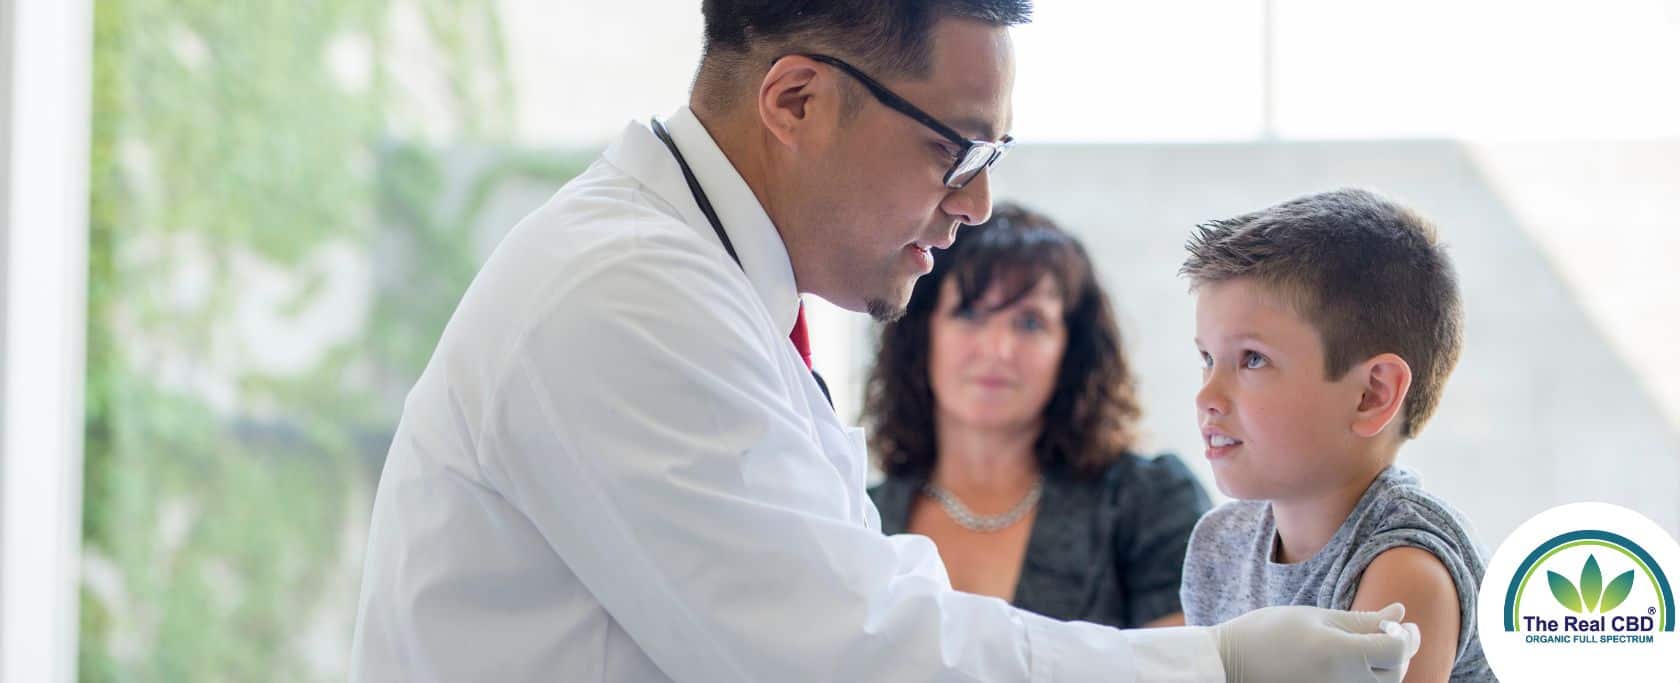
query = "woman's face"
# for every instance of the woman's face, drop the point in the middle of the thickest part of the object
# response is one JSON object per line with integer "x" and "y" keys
{"x": 996, "y": 369}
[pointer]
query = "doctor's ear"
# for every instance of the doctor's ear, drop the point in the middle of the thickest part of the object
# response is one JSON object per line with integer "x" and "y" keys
{"x": 1385, "y": 379}
{"x": 794, "y": 91}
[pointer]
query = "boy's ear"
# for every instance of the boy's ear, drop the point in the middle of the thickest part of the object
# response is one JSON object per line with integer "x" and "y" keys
{"x": 1387, "y": 378}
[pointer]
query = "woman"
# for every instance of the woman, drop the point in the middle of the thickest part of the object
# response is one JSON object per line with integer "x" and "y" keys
{"x": 1003, "y": 413}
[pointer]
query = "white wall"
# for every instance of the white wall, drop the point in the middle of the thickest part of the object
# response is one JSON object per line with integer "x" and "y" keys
{"x": 1139, "y": 71}
{"x": 47, "y": 44}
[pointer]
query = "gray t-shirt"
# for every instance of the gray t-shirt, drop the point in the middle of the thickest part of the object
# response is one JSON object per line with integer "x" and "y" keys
{"x": 1228, "y": 570}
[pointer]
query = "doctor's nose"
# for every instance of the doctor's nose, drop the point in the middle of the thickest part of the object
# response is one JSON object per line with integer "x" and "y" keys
{"x": 971, "y": 205}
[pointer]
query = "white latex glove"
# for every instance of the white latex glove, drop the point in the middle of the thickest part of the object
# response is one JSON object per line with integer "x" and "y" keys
{"x": 1297, "y": 644}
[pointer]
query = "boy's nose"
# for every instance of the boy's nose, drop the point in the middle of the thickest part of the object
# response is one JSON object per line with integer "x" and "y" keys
{"x": 1211, "y": 398}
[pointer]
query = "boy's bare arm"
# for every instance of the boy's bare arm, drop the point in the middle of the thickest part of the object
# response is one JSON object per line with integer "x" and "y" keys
{"x": 1414, "y": 576}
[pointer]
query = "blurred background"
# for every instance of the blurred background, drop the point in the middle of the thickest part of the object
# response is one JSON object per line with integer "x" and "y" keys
{"x": 211, "y": 323}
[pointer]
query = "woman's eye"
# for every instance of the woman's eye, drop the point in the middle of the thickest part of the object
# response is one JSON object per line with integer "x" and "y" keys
{"x": 1254, "y": 361}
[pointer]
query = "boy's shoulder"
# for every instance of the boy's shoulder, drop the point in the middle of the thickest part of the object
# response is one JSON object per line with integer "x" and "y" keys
{"x": 1400, "y": 502}
{"x": 1399, "y": 513}
{"x": 1402, "y": 514}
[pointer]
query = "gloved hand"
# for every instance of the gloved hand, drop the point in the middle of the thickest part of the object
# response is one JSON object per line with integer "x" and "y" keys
{"x": 1297, "y": 644}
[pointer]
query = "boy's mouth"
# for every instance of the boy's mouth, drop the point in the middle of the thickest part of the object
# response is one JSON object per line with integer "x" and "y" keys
{"x": 1219, "y": 445}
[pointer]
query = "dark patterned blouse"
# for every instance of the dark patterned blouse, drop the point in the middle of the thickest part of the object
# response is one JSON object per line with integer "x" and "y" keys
{"x": 1108, "y": 549}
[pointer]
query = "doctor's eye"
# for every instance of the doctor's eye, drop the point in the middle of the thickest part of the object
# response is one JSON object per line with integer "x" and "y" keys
{"x": 1254, "y": 361}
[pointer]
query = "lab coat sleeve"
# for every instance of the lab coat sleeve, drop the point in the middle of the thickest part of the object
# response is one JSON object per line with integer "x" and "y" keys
{"x": 644, "y": 426}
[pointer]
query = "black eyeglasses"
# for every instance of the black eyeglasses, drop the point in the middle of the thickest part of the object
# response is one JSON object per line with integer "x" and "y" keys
{"x": 975, "y": 155}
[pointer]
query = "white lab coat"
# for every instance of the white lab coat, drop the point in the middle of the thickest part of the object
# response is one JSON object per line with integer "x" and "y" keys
{"x": 617, "y": 468}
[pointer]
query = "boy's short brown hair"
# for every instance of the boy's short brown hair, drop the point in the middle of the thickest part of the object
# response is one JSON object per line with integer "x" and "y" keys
{"x": 1367, "y": 273}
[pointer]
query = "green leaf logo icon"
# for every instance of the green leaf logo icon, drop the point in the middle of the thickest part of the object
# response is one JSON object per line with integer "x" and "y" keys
{"x": 1591, "y": 583}
{"x": 1590, "y": 598}
{"x": 1564, "y": 591}
{"x": 1617, "y": 591}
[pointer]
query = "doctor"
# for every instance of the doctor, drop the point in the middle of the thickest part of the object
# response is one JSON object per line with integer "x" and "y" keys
{"x": 618, "y": 467}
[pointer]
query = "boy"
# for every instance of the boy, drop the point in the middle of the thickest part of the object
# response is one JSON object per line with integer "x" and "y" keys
{"x": 1327, "y": 326}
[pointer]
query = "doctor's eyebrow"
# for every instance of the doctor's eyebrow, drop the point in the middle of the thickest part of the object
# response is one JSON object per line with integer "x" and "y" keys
{"x": 969, "y": 125}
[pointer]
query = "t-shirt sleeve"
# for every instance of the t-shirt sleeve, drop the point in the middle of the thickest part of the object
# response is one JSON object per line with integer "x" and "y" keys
{"x": 1212, "y": 551}
{"x": 1409, "y": 523}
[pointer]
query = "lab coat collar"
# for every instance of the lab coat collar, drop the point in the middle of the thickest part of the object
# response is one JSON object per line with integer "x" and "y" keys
{"x": 764, "y": 257}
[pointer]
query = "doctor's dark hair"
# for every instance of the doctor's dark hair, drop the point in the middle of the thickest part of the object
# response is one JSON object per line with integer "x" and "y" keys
{"x": 1091, "y": 418}
{"x": 886, "y": 38}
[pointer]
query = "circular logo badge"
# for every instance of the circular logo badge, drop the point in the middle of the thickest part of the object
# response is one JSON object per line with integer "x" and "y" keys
{"x": 1582, "y": 590}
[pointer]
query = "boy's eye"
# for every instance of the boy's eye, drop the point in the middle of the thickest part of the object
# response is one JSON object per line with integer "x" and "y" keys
{"x": 964, "y": 313}
{"x": 1254, "y": 361}
{"x": 1207, "y": 360}
{"x": 1029, "y": 323}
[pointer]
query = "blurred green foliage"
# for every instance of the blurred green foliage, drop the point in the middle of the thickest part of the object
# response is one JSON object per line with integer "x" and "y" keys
{"x": 235, "y": 145}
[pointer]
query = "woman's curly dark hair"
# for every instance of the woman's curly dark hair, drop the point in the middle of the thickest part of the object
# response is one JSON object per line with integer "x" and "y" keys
{"x": 1091, "y": 417}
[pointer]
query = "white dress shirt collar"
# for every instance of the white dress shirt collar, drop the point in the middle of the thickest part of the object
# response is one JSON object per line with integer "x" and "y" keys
{"x": 764, "y": 257}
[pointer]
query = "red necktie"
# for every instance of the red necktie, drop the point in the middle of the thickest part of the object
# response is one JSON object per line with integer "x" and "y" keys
{"x": 801, "y": 338}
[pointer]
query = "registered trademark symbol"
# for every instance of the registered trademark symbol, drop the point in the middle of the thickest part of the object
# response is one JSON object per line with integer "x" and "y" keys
{"x": 1650, "y": 610}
